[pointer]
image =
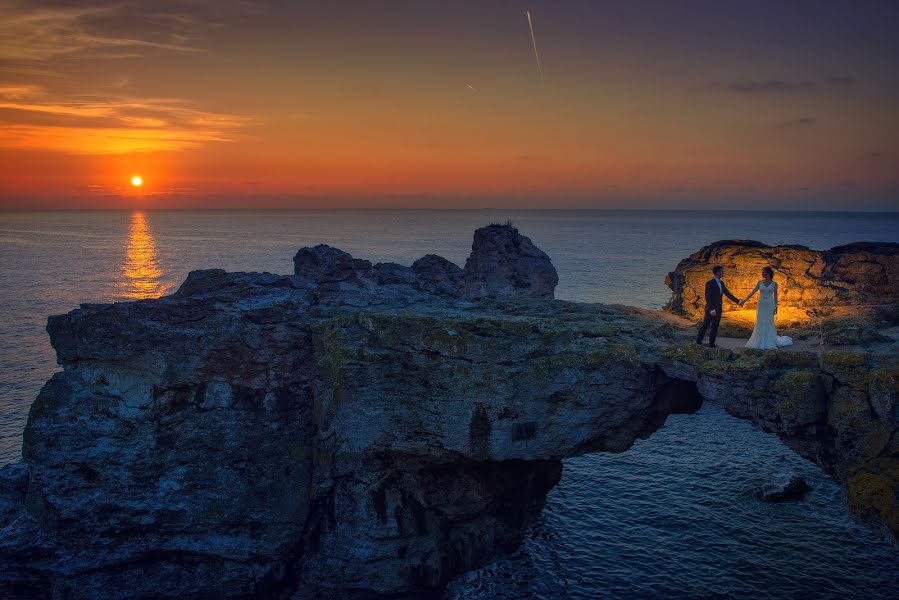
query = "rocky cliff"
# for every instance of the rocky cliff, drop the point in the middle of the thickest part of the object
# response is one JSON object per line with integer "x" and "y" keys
{"x": 353, "y": 427}
{"x": 369, "y": 428}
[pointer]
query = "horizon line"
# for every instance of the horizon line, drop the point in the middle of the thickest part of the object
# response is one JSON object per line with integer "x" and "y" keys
{"x": 445, "y": 209}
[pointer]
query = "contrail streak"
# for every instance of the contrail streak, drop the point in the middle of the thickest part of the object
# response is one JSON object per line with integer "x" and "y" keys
{"x": 534, "y": 42}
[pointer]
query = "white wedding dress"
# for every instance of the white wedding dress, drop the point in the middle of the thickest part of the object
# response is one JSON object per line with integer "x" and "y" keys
{"x": 764, "y": 336}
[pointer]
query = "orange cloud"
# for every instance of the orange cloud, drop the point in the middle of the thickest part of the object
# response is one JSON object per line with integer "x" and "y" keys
{"x": 113, "y": 125}
{"x": 84, "y": 140}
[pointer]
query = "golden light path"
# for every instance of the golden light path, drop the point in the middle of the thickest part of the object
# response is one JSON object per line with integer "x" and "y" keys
{"x": 140, "y": 271}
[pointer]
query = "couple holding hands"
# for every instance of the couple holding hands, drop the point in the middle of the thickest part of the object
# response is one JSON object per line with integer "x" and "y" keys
{"x": 764, "y": 336}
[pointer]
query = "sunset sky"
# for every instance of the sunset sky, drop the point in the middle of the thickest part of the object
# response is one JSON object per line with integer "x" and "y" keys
{"x": 224, "y": 103}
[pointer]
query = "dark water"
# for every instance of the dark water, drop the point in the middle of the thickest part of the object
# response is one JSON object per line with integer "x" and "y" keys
{"x": 672, "y": 518}
{"x": 677, "y": 517}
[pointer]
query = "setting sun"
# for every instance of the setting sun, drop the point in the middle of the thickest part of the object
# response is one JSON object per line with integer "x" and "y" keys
{"x": 137, "y": 181}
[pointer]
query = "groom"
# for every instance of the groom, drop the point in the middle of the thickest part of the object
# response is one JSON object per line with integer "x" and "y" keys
{"x": 715, "y": 290}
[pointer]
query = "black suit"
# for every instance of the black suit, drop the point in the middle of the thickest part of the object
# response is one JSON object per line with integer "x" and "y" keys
{"x": 714, "y": 300}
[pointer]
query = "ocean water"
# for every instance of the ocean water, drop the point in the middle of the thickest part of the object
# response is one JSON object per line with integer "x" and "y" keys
{"x": 674, "y": 517}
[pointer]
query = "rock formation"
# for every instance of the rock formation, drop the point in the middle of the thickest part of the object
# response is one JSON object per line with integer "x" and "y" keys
{"x": 792, "y": 487}
{"x": 854, "y": 275}
{"x": 351, "y": 427}
{"x": 371, "y": 429}
{"x": 504, "y": 263}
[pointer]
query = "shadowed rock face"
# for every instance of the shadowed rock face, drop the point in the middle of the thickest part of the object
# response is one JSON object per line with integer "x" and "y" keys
{"x": 503, "y": 264}
{"x": 371, "y": 429}
{"x": 437, "y": 275}
{"x": 854, "y": 275}
{"x": 352, "y": 427}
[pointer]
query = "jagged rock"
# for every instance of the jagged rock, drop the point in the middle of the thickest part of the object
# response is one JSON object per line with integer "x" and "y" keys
{"x": 394, "y": 274}
{"x": 325, "y": 263}
{"x": 853, "y": 275}
{"x": 438, "y": 275}
{"x": 504, "y": 263}
{"x": 789, "y": 488}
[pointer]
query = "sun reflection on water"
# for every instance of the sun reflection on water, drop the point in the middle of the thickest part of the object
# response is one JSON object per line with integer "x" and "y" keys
{"x": 142, "y": 277}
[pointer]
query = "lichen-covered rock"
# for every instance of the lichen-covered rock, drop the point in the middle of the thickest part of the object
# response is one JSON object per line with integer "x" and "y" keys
{"x": 504, "y": 263}
{"x": 854, "y": 275}
{"x": 873, "y": 493}
{"x": 349, "y": 427}
{"x": 860, "y": 327}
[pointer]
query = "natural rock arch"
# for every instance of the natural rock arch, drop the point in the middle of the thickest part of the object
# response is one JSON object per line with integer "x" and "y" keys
{"x": 372, "y": 428}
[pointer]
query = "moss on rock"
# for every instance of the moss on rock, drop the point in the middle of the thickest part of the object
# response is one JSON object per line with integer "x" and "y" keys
{"x": 872, "y": 496}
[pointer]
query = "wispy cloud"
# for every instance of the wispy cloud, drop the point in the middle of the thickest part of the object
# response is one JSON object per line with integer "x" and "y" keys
{"x": 786, "y": 86}
{"x": 41, "y": 30}
{"x": 841, "y": 81}
{"x": 103, "y": 141}
{"x": 17, "y": 92}
{"x": 769, "y": 86}
{"x": 800, "y": 123}
{"x": 32, "y": 118}
{"x": 38, "y": 31}
{"x": 18, "y": 70}
{"x": 38, "y": 108}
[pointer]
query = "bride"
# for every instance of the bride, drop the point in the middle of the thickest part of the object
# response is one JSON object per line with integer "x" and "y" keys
{"x": 764, "y": 336}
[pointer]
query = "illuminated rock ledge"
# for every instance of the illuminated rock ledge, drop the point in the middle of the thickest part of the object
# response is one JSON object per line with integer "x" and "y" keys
{"x": 845, "y": 296}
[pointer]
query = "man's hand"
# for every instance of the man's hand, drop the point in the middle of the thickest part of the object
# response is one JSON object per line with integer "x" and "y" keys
{"x": 712, "y": 312}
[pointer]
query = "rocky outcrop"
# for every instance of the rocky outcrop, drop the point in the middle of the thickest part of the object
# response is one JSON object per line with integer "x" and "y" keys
{"x": 352, "y": 427}
{"x": 504, "y": 263}
{"x": 437, "y": 275}
{"x": 792, "y": 487}
{"x": 372, "y": 429}
{"x": 846, "y": 276}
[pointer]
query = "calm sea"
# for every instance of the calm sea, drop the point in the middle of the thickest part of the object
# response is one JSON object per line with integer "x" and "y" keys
{"x": 674, "y": 517}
